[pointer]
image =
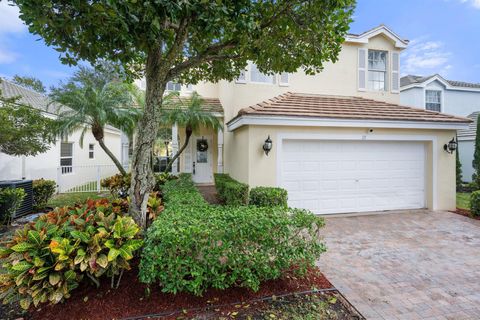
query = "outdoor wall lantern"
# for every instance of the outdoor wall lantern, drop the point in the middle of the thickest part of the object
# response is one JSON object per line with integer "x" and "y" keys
{"x": 451, "y": 146}
{"x": 267, "y": 146}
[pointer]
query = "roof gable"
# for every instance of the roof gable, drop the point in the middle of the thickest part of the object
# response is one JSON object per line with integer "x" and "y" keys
{"x": 412, "y": 81}
{"x": 380, "y": 30}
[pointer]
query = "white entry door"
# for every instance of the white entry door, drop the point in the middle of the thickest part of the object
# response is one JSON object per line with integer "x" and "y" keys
{"x": 353, "y": 176}
{"x": 202, "y": 169}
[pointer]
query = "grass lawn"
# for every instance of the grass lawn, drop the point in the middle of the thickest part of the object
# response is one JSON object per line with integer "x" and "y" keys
{"x": 463, "y": 200}
{"x": 68, "y": 199}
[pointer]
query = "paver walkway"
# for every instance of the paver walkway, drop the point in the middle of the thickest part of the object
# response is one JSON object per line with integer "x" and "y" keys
{"x": 406, "y": 265}
{"x": 209, "y": 193}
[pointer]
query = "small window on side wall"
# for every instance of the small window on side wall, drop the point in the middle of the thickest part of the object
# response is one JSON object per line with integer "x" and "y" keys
{"x": 66, "y": 157}
{"x": 91, "y": 151}
{"x": 173, "y": 86}
{"x": 433, "y": 100}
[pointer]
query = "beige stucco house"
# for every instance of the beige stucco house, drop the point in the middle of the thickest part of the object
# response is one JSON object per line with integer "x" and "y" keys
{"x": 341, "y": 140}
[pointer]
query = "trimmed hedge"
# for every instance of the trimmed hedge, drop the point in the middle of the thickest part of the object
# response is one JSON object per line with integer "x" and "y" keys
{"x": 193, "y": 246}
{"x": 475, "y": 203}
{"x": 268, "y": 197}
{"x": 43, "y": 191}
{"x": 230, "y": 191}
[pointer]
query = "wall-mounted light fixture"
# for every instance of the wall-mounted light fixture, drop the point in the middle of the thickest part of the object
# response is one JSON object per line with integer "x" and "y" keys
{"x": 267, "y": 146}
{"x": 451, "y": 146}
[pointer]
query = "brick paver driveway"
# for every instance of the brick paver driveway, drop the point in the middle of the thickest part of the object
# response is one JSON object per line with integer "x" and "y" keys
{"x": 406, "y": 265}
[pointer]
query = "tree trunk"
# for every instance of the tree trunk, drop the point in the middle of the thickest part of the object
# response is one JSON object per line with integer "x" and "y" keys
{"x": 98, "y": 134}
{"x": 142, "y": 174}
{"x": 188, "y": 134}
{"x": 112, "y": 156}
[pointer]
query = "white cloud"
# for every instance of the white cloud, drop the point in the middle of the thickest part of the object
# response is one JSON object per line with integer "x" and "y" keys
{"x": 7, "y": 56}
{"x": 10, "y": 26}
{"x": 473, "y": 3}
{"x": 9, "y": 19}
{"x": 425, "y": 57}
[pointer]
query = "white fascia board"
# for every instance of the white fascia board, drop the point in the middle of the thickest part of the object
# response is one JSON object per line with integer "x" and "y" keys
{"x": 364, "y": 37}
{"x": 447, "y": 85}
{"x": 347, "y": 123}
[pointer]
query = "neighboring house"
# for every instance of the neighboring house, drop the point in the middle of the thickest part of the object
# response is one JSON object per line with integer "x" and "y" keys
{"x": 65, "y": 162}
{"x": 466, "y": 147}
{"x": 452, "y": 97}
{"x": 341, "y": 140}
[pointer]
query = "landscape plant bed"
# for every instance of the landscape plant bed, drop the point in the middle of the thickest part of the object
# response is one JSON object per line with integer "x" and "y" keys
{"x": 130, "y": 299}
{"x": 465, "y": 213}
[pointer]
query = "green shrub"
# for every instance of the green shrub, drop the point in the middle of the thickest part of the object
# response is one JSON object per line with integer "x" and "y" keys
{"x": 118, "y": 185}
{"x": 43, "y": 190}
{"x": 182, "y": 192}
{"x": 230, "y": 191}
{"x": 46, "y": 260}
{"x": 268, "y": 197}
{"x": 194, "y": 248}
{"x": 162, "y": 178}
{"x": 10, "y": 200}
{"x": 475, "y": 203}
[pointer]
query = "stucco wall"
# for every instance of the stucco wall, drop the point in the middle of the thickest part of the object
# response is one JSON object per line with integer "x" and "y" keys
{"x": 262, "y": 169}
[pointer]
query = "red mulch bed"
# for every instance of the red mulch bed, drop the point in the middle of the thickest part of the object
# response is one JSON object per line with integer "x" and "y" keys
{"x": 465, "y": 213}
{"x": 129, "y": 299}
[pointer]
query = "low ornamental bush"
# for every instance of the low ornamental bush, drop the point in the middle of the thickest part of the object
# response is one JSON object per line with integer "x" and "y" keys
{"x": 10, "y": 200}
{"x": 475, "y": 204}
{"x": 230, "y": 191}
{"x": 194, "y": 247}
{"x": 268, "y": 197}
{"x": 46, "y": 260}
{"x": 118, "y": 185}
{"x": 43, "y": 190}
{"x": 182, "y": 192}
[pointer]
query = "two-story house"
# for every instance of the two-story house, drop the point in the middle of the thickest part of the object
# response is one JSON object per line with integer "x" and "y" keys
{"x": 340, "y": 140}
{"x": 459, "y": 98}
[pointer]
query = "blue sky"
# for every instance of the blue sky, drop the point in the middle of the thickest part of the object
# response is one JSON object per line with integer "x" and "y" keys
{"x": 444, "y": 35}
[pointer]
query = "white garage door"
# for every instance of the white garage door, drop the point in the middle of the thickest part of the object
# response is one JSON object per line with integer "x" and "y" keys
{"x": 353, "y": 176}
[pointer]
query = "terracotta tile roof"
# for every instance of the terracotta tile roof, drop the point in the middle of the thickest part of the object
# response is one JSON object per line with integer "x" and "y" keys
{"x": 343, "y": 107}
{"x": 209, "y": 104}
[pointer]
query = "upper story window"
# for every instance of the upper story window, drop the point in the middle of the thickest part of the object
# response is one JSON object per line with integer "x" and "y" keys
{"x": 377, "y": 70}
{"x": 173, "y": 86}
{"x": 259, "y": 77}
{"x": 433, "y": 100}
{"x": 66, "y": 157}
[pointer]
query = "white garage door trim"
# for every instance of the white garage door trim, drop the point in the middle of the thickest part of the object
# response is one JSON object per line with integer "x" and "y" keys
{"x": 362, "y": 137}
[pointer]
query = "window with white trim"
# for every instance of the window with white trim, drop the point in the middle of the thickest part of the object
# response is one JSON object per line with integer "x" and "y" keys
{"x": 283, "y": 79}
{"x": 173, "y": 86}
{"x": 66, "y": 157}
{"x": 259, "y": 77}
{"x": 91, "y": 151}
{"x": 433, "y": 100}
{"x": 377, "y": 70}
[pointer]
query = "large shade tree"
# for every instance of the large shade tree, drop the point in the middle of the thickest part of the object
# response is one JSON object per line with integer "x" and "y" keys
{"x": 188, "y": 41}
{"x": 94, "y": 99}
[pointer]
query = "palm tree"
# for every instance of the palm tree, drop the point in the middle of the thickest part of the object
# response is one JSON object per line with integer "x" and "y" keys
{"x": 96, "y": 98}
{"x": 188, "y": 113}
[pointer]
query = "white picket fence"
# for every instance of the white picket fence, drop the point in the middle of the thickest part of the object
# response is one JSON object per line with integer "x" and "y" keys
{"x": 83, "y": 178}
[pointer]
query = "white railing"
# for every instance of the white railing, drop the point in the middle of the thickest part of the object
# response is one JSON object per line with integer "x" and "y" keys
{"x": 83, "y": 178}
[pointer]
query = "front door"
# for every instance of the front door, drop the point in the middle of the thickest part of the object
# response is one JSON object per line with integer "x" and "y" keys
{"x": 202, "y": 171}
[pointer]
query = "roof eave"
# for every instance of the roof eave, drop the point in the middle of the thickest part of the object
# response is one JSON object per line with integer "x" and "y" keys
{"x": 266, "y": 120}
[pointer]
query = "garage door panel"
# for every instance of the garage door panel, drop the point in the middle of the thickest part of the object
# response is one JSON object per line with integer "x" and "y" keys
{"x": 353, "y": 176}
